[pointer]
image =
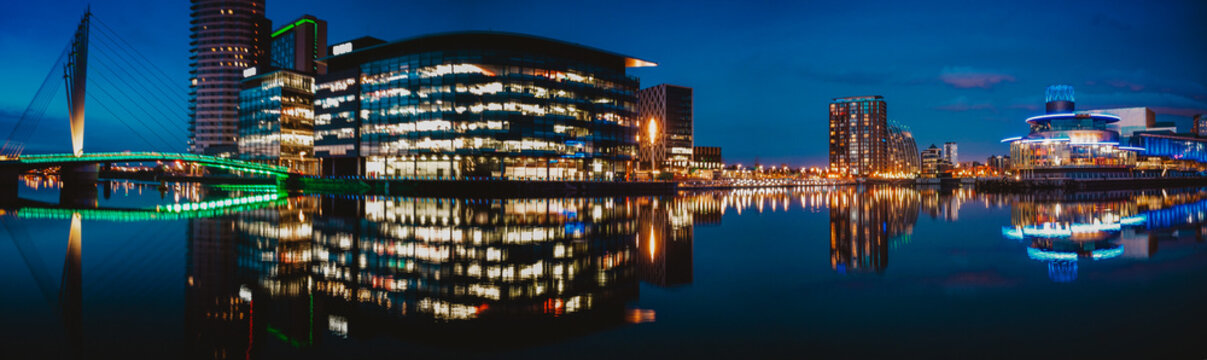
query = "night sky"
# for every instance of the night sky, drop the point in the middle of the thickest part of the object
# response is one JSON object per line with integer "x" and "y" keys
{"x": 763, "y": 71}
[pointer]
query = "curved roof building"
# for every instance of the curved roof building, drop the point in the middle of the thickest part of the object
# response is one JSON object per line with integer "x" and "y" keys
{"x": 477, "y": 104}
{"x": 1063, "y": 143}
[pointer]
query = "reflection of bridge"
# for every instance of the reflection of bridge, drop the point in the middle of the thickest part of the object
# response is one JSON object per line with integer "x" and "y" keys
{"x": 79, "y": 170}
{"x": 70, "y": 304}
{"x": 174, "y": 211}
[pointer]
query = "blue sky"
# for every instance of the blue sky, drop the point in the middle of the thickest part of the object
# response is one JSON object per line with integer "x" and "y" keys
{"x": 763, "y": 71}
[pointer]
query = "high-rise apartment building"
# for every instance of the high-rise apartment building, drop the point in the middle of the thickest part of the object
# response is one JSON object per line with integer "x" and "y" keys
{"x": 298, "y": 44}
{"x": 670, "y": 106}
{"x": 857, "y": 127}
{"x": 864, "y": 144}
{"x": 227, "y": 36}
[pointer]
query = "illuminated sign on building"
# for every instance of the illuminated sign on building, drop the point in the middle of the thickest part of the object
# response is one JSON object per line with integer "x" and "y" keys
{"x": 249, "y": 72}
{"x": 341, "y": 49}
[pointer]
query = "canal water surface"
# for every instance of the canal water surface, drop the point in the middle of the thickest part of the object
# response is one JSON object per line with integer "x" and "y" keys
{"x": 867, "y": 272}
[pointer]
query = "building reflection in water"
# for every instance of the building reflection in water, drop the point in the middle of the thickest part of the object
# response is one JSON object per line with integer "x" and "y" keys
{"x": 425, "y": 269}
{"x": 1063, "y": 229}
{"x": 443, "y": 270}
{"x": 866, "y": 222}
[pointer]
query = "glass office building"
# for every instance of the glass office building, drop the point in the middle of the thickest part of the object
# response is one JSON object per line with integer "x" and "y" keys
{"x": 479, "y": 104}
{"x": 276, "y": 120}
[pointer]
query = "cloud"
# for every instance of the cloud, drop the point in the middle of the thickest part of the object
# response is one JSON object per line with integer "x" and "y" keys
{"x": 963, "y": 77}
{"x": 962, "y": 104}
{"x": 1125, "y": 84}
{"x": 1141, "y": 80}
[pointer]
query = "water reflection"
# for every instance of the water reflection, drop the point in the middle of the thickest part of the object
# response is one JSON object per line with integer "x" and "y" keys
{"x": 1062, "y": 229}
{"x": 318, "y": 272}
{"x": 865, "y": 222}
{"x": 367, "y": 266}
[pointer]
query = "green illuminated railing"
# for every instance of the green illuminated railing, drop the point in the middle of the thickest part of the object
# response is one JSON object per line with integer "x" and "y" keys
{"x": 179, "y": 211}
{"x": 218, "y": 204}
{"x": 223, "y": 163}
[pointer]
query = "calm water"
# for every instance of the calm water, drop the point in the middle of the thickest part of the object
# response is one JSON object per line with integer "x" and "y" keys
{"x": 838, "y": 272}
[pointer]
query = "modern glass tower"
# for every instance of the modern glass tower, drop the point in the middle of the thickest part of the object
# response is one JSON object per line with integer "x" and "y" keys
{"x": 227, "y": 37}
{"x": 480, "y": 104}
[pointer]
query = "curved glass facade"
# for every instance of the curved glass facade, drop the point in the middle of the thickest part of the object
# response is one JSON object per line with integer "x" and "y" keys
{"x": 465, "y": 105}
{"x": 1063, "y": 139}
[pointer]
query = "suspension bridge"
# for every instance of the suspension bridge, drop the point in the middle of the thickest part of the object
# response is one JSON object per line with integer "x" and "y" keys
{"x": 148, "y": 106}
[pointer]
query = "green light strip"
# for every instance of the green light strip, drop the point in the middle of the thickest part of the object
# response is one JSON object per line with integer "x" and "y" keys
{"x": 217, "y": 204}
{"x": 299, "y": 22}
{"x": 139, "y": 215}
{"x": 231, "y": 164}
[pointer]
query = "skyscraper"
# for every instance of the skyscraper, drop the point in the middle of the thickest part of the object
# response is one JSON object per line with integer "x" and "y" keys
{"x": 298, "y": 44}
{"x": 671, "y": 107}
{"x": 227, "y": 36}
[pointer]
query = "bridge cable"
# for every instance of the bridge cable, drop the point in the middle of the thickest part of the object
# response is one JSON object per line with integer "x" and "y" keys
{"x": 114, "y": 115}
{"x": 165, "y": 89}
{"x": 163, "y": 74}
{"x": 161, "y": 100}
{"x": 118, "y": 117}
{"x": 133, "y": 114}
{"x": 107, "y": 59}
{"x": 130, "y": 88}
{"x": 14, "y": 144}
{"x": 29, "y": 254}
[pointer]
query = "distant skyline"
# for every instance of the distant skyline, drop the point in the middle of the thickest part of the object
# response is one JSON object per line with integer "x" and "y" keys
{"x": 763, "y": 73}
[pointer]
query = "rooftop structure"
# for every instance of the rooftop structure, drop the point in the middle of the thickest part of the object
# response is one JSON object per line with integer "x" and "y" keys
{"x": 1063, "y": 140}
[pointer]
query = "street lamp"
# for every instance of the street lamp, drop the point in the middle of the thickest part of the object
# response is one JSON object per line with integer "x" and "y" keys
{"x": 652, "y": 135}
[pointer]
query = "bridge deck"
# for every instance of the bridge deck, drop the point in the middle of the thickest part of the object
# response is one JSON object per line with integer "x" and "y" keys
{"x": 44, "y": 160}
